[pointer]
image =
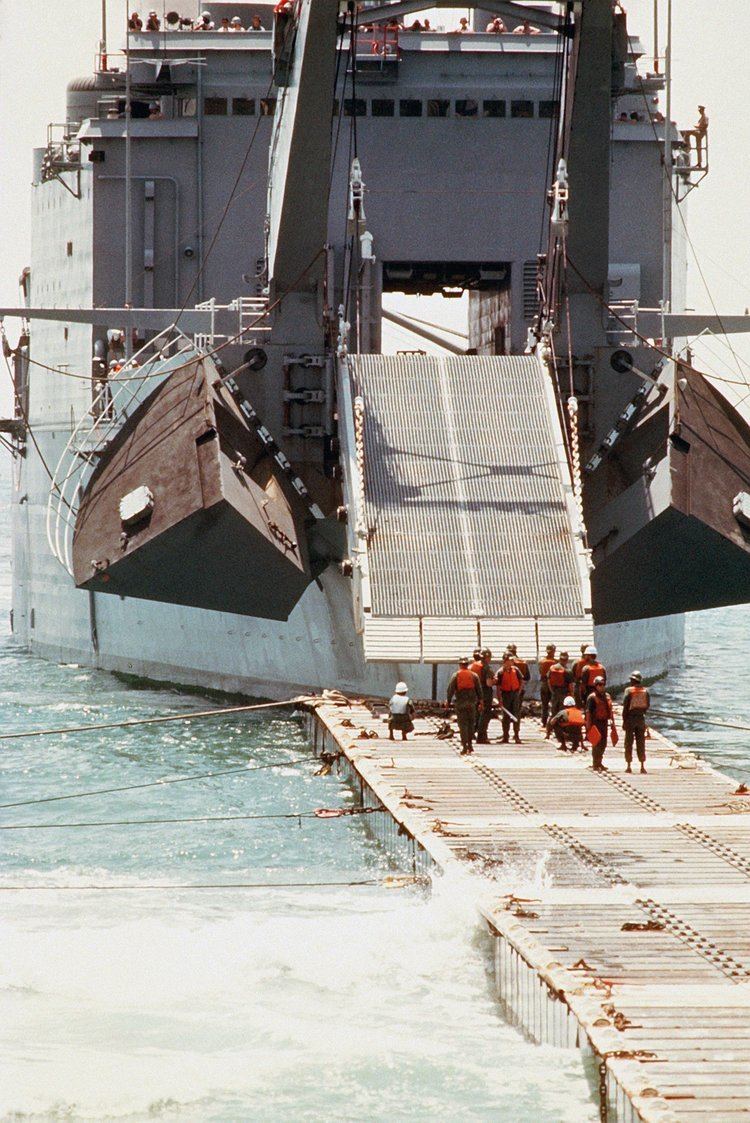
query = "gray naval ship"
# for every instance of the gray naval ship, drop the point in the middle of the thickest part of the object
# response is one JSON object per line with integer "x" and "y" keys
{"x": 220, "y": 480}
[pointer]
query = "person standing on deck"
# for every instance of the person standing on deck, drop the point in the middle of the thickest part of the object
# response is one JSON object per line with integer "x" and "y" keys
{"x": 560, "y": 679}
{"x": 636, "y": 702}
{"x": 592, "y": 669}
{"x": 464, "y": 687}
{"x": 509, "y": 685}
{"x": 577, "y": 671}
{"x": 567, "y": 725}
{"x": 521, "y": 666}
{"x": 544, "y": 688}
{"x": 400, "y": 712}
{"x": 599, "y": 716}
{"x": 486, "y": 676}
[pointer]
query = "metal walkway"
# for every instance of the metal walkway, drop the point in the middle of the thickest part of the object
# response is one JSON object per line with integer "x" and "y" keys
{"x": 619, "y": 904}
{"x": 469, "y": 522}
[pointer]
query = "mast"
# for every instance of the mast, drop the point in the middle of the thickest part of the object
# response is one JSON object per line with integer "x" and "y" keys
{"x": 667, "y": 196}
{"x": 128, "y": 186}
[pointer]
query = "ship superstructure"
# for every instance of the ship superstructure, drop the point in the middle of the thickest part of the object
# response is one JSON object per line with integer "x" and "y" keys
{"x": 430, "y": 155}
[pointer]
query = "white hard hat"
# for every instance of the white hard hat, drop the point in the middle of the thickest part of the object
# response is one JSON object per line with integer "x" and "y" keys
{"x": 402, "y": 688}
{"x": 591, "y": 650}
{"x": 569, "y": 701}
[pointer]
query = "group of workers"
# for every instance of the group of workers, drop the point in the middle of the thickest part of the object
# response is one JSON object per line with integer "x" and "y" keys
{"x": 173, "y": 21}
{"x": 575, "y": 704}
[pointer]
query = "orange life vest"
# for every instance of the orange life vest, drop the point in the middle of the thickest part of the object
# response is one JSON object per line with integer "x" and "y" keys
{"x": 556, "y": 676}
{"x": 573, "y": 716}
{"x": 509, "y": 681}
{"x": 639, "y": 699}
{"x": 522, "y": 667}
{"x": 465, "y": 680}
{"x": 592, "y": 671}
{"x": 544, "y": 666}
{"x": 602, "y": 707}
{"x": 578, "y": 669}
{"x": 477, "y": 669}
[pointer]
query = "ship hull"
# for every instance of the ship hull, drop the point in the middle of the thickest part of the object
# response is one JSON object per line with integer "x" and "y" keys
{"x": 316, "y": 648}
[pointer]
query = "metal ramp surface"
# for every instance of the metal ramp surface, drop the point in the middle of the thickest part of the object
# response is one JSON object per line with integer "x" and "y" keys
{"x": 465, "y": 528}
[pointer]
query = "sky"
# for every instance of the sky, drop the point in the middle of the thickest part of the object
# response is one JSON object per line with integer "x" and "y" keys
{"x": 43, "y": 43}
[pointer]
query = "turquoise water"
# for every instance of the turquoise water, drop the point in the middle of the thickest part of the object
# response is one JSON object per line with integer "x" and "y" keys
{"x": 351, "y": 1003}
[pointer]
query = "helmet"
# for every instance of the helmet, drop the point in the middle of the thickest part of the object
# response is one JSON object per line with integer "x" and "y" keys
{"x": 463, "y": 661}
{"x": 486, "y": 652}
{"x": 569, "y": 701}
{"x": 564, "y": 655}
{"x": 599, "y": 680}
{"x": 551, "y": 648}
{"x": 402, "y": 688}
{"x": 476, "y": 652}
{"x": 591, "y": 650}
{"x": 636, "y": 677}
{"x": 513, "y": 648}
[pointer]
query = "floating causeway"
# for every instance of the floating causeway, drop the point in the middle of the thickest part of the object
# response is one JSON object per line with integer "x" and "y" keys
{"x": 637, "y": 945}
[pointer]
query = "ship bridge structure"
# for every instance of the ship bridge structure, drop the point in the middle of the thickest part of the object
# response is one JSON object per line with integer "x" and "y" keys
{"x": 460, "y": 533}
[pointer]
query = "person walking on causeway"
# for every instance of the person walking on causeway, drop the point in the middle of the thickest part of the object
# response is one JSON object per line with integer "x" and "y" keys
{"x": 464, "y": 687}
{"x": 544, "y": 687}
{"x": 509, "y": 685}
{"x": 600, "y": 718}
{"x": 591, "y": 669}
{"x": 486, "y": 675}
{"x": 400, "y": 712}
{"x": 567, "y": 725}
{"x": 636, "y": 702}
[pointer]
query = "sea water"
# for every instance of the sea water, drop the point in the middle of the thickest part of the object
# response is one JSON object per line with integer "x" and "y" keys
{"x": 328, "y": 1001}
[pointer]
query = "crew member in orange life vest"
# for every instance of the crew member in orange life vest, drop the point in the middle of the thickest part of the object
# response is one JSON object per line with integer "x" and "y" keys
{"x": 509, "y": 683}
{"x": 636, "y": 702}
{"x": 592, "y": 668}
{"x": 560, "y": 679}
{"x": 567, "y": 725}
{"x": 464, "y": 687}
{"x": 544, "y": 690}
{"x": 599, "y": 713}
{"x": 521, "y": 665}
{"x": 486, "y": 677}
{"x": 577, "y": 670}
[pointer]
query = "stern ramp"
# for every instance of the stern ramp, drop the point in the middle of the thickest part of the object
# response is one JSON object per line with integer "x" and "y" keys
{"x": 463, "y": 528}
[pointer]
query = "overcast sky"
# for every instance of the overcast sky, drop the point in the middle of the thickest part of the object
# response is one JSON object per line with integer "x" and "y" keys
{"x": 44, "y": 44}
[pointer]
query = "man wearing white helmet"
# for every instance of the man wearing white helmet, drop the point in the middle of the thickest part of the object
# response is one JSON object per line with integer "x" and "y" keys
{"x": 401, "y": 712}
{"x": 204, "y": 22}
{"x": 592, "y": 669}
{"x": 567, "y": 725}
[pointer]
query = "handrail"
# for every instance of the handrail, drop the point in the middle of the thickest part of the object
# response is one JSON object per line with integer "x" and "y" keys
{"x": 110, "y": 408}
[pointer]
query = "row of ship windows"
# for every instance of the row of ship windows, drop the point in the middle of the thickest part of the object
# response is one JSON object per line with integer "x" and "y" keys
{"x": 385, "y": 107}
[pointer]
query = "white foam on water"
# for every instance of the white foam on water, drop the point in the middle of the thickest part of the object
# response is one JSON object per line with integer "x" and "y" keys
{"x": 343, "y": 1004}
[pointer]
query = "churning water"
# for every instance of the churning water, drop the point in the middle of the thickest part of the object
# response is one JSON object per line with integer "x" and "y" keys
{"x": 272, "y": 1003}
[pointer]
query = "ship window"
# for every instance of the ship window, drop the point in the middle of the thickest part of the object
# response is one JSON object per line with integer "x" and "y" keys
{"x": 493, "y": 108}
{"x": 215, "y": 107}
{"x": 438, "y": 107}
{"x": 522, "y": 109}
{"x": 410, "y": 107}
{"x": 382, "y": 107}
{"x": 188, "y": 107}
{"x": 548, "y": 109}
{"x": 467, "y": 107}
{"x": 355, "y": 107}
{"x": 243, "y": 106}
{"x": 69, "y": 249}
{"x": 267, "y": 106}
{"x": 65, "y": 334}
